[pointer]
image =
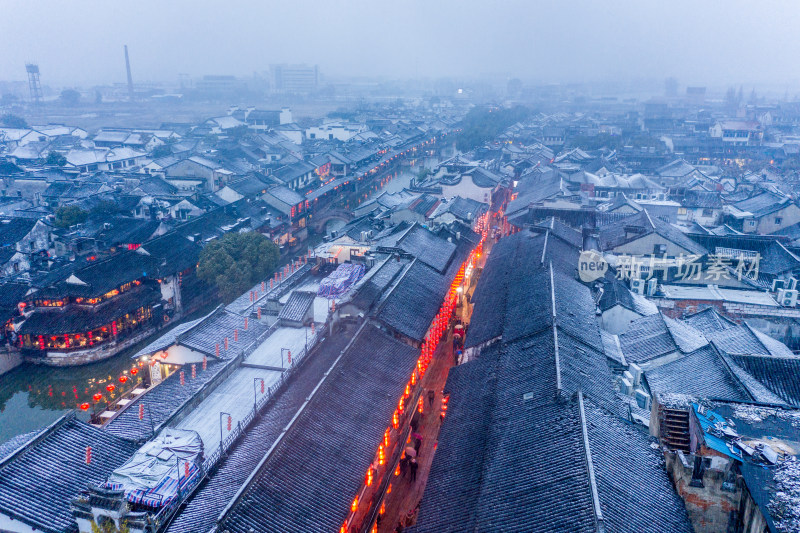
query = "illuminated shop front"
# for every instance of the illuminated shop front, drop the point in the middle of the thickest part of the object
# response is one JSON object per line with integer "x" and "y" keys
{"x": 74, "y": 326}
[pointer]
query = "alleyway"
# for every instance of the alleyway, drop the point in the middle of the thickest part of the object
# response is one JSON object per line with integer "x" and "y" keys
{"x": 406, "y": 494}
{"x": 400, "y": 503}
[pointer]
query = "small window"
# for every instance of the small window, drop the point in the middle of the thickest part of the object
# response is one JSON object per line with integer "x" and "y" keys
{"x": 659, "y": 249}
{"x": 681, "y": 210}
{"x": 778, "y": 221}
{"x": 752, "y": 223}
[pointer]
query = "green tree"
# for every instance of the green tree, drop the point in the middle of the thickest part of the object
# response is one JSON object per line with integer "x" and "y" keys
{"x": 484, "y": 124}
{"x": 69, "y": 215}
{"x": 70, "y": 97}
{"x": 54, "y": 158}
{"x": 104, "y": 208}
{"x": 13, "y": 121}
{"x": 108, "y": 526}
{"x": 236, "y": 262}
{"x": 162, "y": 151}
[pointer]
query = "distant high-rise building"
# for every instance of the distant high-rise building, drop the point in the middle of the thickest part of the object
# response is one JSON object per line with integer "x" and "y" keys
{"x": 295, "y": 79}
{"x": 696, "y": 95}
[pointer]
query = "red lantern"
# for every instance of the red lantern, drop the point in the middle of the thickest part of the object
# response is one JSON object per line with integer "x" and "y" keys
{"x": 97, "y": 397}
{"x": 141, "y": 411}
{"x": 85, "y": 406}
{"x": 110, "y": 387}
{"x": 123, "y": 379}
{"x": 230, "y": 421}
{"x": 88, "y": 455}
{"x": 262, "y": 386}
{"x": 183, "y": 380}
{"x": 235, "y": 335}
{"x": 134, "y": 371}
{"x": 194, "y": 371}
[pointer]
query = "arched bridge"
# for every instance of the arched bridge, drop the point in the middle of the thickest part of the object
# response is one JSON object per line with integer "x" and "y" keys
{"x": 320, "y": 219}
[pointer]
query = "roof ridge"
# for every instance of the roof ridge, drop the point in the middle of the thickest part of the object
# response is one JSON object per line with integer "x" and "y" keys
{"x": 25, "y": 446}
{"x": 727, "y": 364}
{"x": 650, "y": 220}
{"x": 598, "y": 512}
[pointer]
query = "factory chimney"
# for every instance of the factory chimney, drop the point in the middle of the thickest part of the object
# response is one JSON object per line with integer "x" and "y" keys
{"x": 130, "y": 78}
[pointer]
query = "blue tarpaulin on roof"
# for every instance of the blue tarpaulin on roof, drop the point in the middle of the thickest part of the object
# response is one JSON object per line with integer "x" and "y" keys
{"x": 340, "y": 280}
{"x": 711, "y": 421}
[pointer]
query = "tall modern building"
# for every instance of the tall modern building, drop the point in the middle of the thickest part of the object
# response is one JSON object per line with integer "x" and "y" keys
{"x": 294, "y": 79}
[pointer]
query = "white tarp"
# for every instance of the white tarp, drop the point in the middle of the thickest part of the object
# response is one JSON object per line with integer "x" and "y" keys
{"x": 154, "y": 473}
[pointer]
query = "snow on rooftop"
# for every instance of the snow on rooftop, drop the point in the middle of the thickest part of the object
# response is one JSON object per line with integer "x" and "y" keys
{"x": 785, "y": 504}
{"x": 714, "y": 293}
{"x": 269, "y": 352}
{"x": 234, "y": 396}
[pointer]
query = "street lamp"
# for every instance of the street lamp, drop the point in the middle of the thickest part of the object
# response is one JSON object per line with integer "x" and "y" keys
{"x": 255, "y": 396}
{"x": 220, "y": 427}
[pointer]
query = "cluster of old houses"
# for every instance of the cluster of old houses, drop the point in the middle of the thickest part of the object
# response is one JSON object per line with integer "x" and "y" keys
{"x": 655, "y": 391}
{"x": 143, "y": 203}
{"x": 301, "y": 368}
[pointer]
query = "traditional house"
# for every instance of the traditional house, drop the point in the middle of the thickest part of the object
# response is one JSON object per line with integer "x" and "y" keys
{"x": 94, "y": 313}
{"x": 197, "y": 173}
{"x": 764, "y": 213}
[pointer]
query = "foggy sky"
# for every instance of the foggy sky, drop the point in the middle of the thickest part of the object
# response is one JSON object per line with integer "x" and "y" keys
{"x": 699, "y": 42}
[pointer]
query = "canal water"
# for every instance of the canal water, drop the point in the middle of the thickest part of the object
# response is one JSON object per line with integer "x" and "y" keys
{"x": 33, "y": 396}
{"x": 396, "y": 182}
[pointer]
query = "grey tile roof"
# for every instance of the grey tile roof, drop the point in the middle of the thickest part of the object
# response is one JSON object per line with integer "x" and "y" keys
{"x": 616, "y": 233}
{"x": 427, "y": 247}
{"x": 531, "y": 472}
{"x": 516, "y": 278}
{"x": 745, "y": 340}
{"x": 309, "y": 480}
{"x": 413, "y": 301}
{"x": 779, "y": 375}
{"x": 763, "y": 204}
{"x": 654, "y": 336}
{"x": 616, "y": 293}
{"x": 636, "y": 494}
{"x": 454, "y": 486}
{"x": 702, "y": 374}
{"x": 161, "y": 402}
{"x": 205, "y": 336}
{"x": 37, "y": 483}
{"x": 297, "y": 306}
{"x": 709, "y": 321}
{"x": 202, "y": 511}
{"x": 376, "y": 281}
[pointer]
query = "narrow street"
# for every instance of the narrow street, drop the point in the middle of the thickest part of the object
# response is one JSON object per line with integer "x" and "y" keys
{"x": 401, "y": 500}
{"x": 400, "y": 505}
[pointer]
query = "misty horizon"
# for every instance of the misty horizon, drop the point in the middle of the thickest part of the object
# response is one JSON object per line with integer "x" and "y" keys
{"x": 714, "y": 44}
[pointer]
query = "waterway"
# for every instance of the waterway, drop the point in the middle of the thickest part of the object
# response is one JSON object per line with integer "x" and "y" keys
{"x": 392, "y": 183}
{"x": 33, "y": 396}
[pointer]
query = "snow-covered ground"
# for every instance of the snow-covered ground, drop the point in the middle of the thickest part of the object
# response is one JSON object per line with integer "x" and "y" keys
{"x": 234, "y": 396}
{"x": 269, "y": 352}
